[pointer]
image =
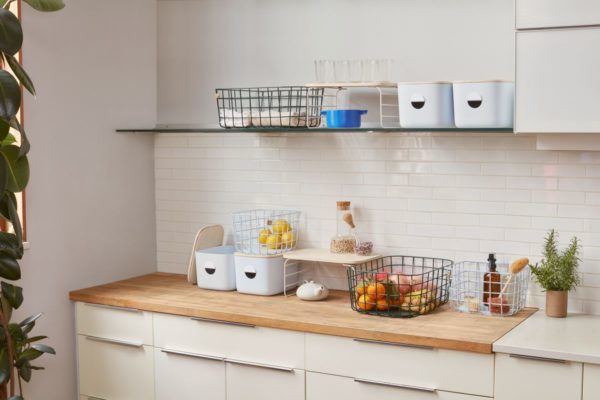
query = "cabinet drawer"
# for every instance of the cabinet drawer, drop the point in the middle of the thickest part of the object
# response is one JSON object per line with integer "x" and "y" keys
{"x": 556, "y": 13}
{"x": 114, "y": 322}
{"x": 545, "y": 379}
{"x": 438, "y": 369}
{"x": 251, "y": 382}
{"x": 232, "y": 341}
{"x": 591, "y": 381}
{"x": 557, "y": 81}
{"x": 115, "y": 371}
{"x": 327, "y": 387}
{"x": 185, "y": 376}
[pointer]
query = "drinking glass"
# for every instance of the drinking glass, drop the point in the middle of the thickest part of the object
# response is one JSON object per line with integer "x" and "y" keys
{"x": 356, "y": 71}
{"x": 342, "y": 71}
{"x": 324, "y": 71}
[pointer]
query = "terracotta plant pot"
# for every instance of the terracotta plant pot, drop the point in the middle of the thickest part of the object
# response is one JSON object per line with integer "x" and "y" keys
{"x": 557, "y": 303}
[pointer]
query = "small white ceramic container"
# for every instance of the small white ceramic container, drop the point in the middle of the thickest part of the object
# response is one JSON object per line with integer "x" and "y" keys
{"x": 262, "y": 275}
{"x": 425, "y": 105}
{"x": 484, "y": 104}
{"x": 215, "y": 268}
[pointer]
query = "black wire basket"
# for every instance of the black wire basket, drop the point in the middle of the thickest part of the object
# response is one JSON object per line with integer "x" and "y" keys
{"x": 399, "y": 286}
{"x": 270, "y": 107}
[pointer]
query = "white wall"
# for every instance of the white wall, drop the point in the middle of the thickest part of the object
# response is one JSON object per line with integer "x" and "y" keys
{"x": 206, "y": 44}
{"x": 90, "y": 206}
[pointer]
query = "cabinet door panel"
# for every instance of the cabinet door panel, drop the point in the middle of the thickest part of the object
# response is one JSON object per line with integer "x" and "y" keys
{"x": 557, "y": 81}
{"x": 556, "y": 13}
{"x": 115, "y": 371}
{"x": 188, "y": 377}
{"x": 250, "y": 382}
{"x": 591, "y": 382}
{"x": 526, "y": 379}
{"x": 327, "y": 387}
{"x": 114, "y": 322}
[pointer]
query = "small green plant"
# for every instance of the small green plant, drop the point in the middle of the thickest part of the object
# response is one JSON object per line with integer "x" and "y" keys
{"x": 558, "y": 271}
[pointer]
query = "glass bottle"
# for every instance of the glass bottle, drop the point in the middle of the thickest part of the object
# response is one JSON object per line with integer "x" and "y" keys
{"x": 344, "y": 240}
{"x": 491, "y": 281}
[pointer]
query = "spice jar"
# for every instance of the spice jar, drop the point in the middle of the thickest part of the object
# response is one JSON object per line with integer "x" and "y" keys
{"x": 344, "y": 240}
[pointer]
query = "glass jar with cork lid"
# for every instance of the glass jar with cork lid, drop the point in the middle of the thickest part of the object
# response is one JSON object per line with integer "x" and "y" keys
{"x": 344, "y": 240}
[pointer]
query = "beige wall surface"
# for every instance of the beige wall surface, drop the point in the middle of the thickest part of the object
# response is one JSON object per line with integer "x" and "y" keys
{"x": 90, "y": 200}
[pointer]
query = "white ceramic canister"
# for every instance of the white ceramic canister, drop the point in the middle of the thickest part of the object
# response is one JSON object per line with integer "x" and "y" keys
{"x": 262, "y": 275}
{"x": 215, "y": 268}
{"x": 426, "y": 105}
{"x": 484, "y": 104}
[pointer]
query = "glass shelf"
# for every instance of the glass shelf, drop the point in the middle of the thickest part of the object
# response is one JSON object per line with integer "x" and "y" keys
{"x": 180, "y": 129}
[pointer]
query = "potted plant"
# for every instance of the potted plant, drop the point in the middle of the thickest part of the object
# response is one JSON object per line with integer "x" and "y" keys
{"x": 557, "y": 274}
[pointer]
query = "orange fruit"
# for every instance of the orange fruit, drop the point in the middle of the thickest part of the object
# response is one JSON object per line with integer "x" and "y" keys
{"x": 382, "y": 305}
{"x": 365, "y": 302}
{"x": 361, "y": 287}
{"x": 376, "y": 290}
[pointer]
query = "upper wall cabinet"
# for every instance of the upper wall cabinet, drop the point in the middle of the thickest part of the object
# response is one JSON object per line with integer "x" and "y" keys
{"x": 557, "y": 80}
{"x": 530, "y": 14}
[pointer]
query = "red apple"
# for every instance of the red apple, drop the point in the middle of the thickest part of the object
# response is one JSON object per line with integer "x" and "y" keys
{"x": 381, "y": 276}
{"x": 404, "y": 284}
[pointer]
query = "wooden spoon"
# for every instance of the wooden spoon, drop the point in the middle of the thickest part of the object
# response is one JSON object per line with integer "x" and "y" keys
{"x": 349, "y": 220}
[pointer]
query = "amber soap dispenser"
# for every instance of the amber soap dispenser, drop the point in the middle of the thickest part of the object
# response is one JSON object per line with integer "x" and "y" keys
{"x": 491, "y": 281}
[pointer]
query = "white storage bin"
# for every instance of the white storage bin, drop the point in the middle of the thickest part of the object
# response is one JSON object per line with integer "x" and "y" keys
{"x": 215, "y": 268}
{"x": 425, "y": 104}
{"x": 262, "y": 275}
{"x": 487, "y": 104}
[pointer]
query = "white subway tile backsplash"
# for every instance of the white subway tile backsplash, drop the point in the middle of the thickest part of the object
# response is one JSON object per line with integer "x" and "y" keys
{"x": 437, "y": 194}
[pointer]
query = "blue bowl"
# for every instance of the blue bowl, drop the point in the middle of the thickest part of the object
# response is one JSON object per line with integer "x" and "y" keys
{"x": 343, "y": 118}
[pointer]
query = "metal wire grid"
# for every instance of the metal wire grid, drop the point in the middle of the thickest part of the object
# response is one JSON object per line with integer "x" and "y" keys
{"x": 265, "y": 231}
{"x": 468, "y": 290}
{"x": 413, "y": 285}
{"x": 270, "y": 107}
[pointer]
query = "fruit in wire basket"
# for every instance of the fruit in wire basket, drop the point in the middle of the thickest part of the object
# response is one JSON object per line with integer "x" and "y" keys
{"x": 376, "y": 290}
{"x": 366, "y": 302}
{"x": 382, "y": 304}
{"x": 288, "y": 240}
{"x": 263, "y": 235}
{"x": 274, "y": 242}
{"x": 362, "y": 285}
{"x": 281, "y": 226}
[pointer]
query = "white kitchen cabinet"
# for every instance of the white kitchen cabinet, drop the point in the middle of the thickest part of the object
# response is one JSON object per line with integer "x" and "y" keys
{"x": 263, "y": 382}
{"x": 557, "y": 81}
{"x": 591, "y": 382}
{"x": 525, "y": 378}
{"x": 429, "y": 368}
{"x": 556, "y": 13}
{"x": 188, "y": 376}
{"x": 327, "y": 387}
{"x": 115, "y": 370}
{"x": 114, "y": 322}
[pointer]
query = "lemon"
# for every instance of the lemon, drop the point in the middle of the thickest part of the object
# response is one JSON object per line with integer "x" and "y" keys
{"x": 281, "y": 226}
{"x": 288, "y": 240}
{"x": 274, "y": 242}
{"x": 263, "y": 235}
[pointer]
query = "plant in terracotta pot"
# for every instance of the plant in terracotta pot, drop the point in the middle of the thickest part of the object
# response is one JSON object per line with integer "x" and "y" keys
{"x": 557, "y": 274}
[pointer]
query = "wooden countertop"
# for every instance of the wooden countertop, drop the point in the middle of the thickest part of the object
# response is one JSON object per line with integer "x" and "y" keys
{"x": 172, "y": 294}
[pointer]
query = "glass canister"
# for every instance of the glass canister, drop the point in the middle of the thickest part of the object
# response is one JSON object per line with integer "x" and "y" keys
{"x": 344, "y": 240}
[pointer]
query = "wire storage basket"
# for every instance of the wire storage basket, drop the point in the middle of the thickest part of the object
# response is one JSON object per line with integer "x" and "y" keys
{"x": 265, "y": 231}
{"x": 270, "y": 107}
{"x": 399, "y": 286}
{"x": 475, "y": 289}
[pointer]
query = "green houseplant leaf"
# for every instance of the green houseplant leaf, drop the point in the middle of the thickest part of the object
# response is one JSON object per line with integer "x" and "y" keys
{"x": 20, "y": 73}
{"x": 25, "y": 146}
{"x": 14, "y": 294}
{"x": 558, "y": 271}
{"x": 11, "y": 33}
{"x": 10, "y": 96}
{"x": 18, "y": 168}
{"x": 46, "y": 5}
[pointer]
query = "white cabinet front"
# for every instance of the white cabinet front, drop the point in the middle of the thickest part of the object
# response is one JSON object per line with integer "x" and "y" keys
{"x": 248, "y": 382}
{"x": 188, "y": 376}
{"x": 519, "y": 378}
{"x": 556, "y": 13}
{"x": 557, "y": 81}
{"x": 328, "y": 387}
{"x": 591, "y": 382}
{"x": 115, "y": 370}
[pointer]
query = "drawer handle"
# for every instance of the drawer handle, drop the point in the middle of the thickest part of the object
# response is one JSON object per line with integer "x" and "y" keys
{"x": 194, "y": 355}
{"x": 266, "y": 366}
{"x": 95, "y": 398}
{"x": 412, "y": 346}
{"x": 135, "y": 310}
{"x": 395, "y": 385}
{"x": 535, "y": 358}
{"x": 218, "y": 321}
{"x": 115, "y": 341}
